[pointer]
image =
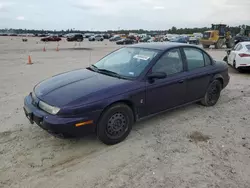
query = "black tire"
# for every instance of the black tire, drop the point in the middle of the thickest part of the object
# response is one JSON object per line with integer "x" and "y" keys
{"x": 225, "y": 59}
{"x": 234, "y": 64}
{"x": 219, "y": 44}
{"x": 115, "y": 124}
{"x": 212, "y": 94}
{"x": 205, "y": 46}
{"x": 240, "y": 70}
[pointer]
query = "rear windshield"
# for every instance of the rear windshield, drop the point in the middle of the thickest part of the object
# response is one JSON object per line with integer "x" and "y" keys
{"x": 248, "y": 46}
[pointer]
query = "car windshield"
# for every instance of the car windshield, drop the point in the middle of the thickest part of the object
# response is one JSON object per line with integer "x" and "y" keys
{"x": 248, "y": 46}
{"x": 126, "y": 62}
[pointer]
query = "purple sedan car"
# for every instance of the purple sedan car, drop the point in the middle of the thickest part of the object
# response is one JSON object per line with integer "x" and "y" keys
{"x": 125, "y": 86}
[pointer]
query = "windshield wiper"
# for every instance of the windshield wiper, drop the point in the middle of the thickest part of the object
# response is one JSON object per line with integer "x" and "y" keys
{"x": 107, "y": 72}
{"x": 93, "y": 68}
{"x": 111, "y": 73}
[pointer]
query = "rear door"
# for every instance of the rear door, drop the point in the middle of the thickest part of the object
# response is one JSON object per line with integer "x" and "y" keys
{"x": 199, "y": 70}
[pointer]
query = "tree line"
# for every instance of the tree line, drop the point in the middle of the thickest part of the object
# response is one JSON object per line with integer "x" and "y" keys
{"x": 173, "y": 30}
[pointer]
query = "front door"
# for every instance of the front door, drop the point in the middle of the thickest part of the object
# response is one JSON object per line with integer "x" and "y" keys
{"x": 163, "y": 94}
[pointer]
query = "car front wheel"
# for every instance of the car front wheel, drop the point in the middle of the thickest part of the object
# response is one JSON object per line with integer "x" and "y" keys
{"x": 212, "y": 94}
{"x": 115, "y": 124}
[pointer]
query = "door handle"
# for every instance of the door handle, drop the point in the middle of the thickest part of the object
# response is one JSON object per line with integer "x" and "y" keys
{"x": 180, "y": 81}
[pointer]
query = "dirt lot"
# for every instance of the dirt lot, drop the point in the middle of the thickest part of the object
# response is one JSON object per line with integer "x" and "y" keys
{"x": 193, "y": 146}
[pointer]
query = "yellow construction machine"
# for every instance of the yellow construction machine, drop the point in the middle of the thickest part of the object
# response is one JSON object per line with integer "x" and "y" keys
{"x": 218, "y": 36}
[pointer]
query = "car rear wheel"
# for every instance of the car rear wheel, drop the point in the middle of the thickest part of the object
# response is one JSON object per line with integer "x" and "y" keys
{"x": 115, "y": 124}
{"x": 219, "y": 44}
{"x": 238, "y": 69}
{"x": 213, "y": 93}
{"x": 205, "y": 46}
{"x": 226, "y": 59}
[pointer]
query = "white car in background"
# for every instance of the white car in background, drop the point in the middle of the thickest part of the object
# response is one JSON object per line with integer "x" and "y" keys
{"x": 239, "y": 56}
{"x": 96, "y": 38}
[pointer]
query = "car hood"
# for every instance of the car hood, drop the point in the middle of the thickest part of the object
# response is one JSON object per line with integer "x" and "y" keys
{"x": 78, "y": 86}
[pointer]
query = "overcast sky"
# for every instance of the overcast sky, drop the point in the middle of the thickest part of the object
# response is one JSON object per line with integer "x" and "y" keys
{"x": 123, "y": 14}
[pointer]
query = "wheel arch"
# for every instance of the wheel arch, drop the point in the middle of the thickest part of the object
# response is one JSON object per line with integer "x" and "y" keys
{"x": 218, "y": 77}
{"x": 127, "y": 102}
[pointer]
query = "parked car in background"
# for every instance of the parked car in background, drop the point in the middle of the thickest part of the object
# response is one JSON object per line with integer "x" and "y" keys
{"x": 198, "y": 35}
{"x": 125, "y": 41}
{"x": 51, "y": 38}
{"x": 87, "y": 35}
{"x": 193, "y": 40}
{"x": 145, "y": 39}
{"x": 179, "y": 39}
{"x": 106, "y": 36}
{"x": 132, "y": 37}
{"x": 151, "y": 40}
{"x": 96, "y": 38}
{"x": 115, "y": 38}
{"x": 239, "y": 56}
{"x": 75, "y": 37}
{"x": 42, "y": 35}
{"x": 125, "y": 86}
{"x": 239, "y": 38}
{"x": 169, "y": 37}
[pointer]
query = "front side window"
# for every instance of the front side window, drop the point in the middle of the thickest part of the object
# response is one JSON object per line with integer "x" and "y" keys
{"x": 170, "y": 63}
{"x": 194, "y": 58}
{"x": 127, "y": 62}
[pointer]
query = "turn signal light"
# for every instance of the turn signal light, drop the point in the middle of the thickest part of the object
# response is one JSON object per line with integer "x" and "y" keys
{"x": 84, "y": 123}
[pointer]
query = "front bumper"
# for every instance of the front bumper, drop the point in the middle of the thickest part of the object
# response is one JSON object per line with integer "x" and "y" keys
{"x": 57, "y": 125}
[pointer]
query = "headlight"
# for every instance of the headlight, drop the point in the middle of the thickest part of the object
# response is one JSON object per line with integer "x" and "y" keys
{"x": 47, "y": 108}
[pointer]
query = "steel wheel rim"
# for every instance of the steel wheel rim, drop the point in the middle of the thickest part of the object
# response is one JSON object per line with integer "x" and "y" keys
{"x": 214, "y": 93}
{"x": 117, "y": 125}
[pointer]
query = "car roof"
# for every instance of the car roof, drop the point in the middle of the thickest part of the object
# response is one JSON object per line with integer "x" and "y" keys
{"x": 160, "y": 46}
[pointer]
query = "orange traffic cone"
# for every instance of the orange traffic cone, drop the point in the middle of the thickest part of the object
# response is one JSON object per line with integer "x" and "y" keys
{"x": 44, "y": 49}
{"x": 29, "y": 61}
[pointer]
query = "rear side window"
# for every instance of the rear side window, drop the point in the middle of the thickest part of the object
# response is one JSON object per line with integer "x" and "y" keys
{"x": 195, "y": 58}
{"x": 207, "y": 60}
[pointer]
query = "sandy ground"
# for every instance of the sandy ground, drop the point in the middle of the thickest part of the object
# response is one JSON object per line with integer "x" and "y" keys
{"x": 191, "y": 147}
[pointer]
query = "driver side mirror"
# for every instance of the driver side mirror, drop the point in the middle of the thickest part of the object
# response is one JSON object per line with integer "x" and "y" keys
{"x": 157, "y": 75}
